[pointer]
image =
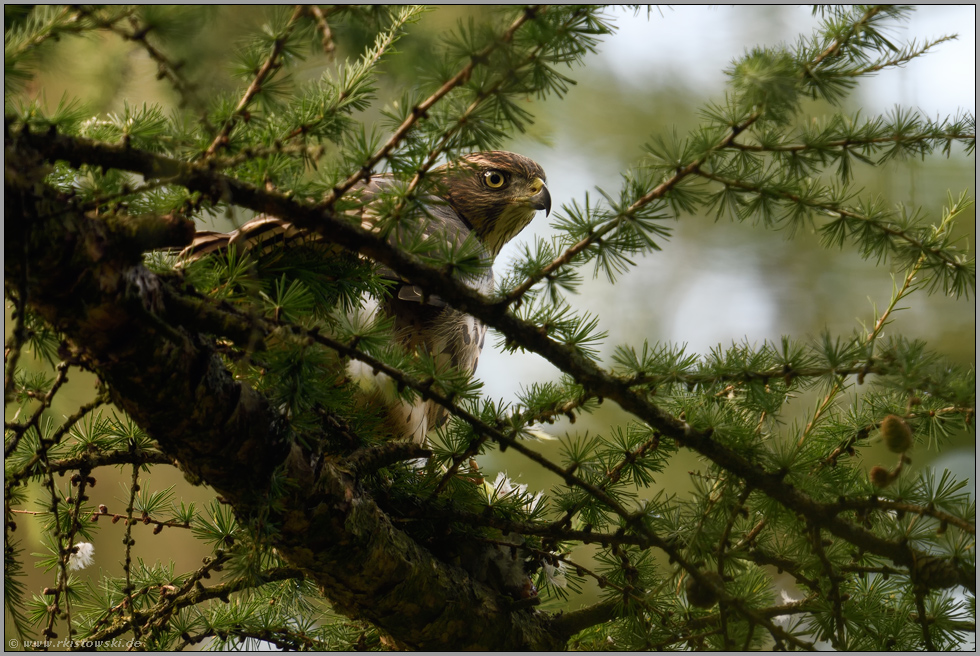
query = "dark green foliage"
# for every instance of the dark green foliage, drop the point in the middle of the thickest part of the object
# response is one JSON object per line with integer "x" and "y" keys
{"x": 783, "y": 542}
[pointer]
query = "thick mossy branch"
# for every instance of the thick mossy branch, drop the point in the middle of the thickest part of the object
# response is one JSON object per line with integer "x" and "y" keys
{"x": 174, "y": 384}
{"x": 89, "y": 286}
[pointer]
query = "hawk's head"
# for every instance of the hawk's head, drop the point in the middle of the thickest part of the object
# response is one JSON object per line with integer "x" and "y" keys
{"x": 496, "y": 193}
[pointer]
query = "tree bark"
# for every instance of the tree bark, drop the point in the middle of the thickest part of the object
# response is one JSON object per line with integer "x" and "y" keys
{"x": 133, "y": 328}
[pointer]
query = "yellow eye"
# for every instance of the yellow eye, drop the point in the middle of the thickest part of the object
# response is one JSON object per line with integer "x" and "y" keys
{"x": 494, "y": 179}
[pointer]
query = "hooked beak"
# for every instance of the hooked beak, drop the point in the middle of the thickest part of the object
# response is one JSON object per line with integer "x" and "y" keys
{"x": 541, "y": 200}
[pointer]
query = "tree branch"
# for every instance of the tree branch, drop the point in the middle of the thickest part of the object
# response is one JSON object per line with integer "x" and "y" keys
{"x": 174, "y": 384}
{"x": 570, "y": 623}
{"x": 585, "y": 371}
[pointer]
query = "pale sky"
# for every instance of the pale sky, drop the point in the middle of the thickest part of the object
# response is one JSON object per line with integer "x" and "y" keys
{"x": 694, "y": 44}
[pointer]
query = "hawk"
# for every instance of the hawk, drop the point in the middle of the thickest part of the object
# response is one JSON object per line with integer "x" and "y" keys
{"x": 489, "y": 195}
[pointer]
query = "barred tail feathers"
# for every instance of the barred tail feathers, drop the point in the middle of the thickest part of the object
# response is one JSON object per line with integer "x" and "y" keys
{"x": 262, "y": 234}
{"x": 205, "y": 243}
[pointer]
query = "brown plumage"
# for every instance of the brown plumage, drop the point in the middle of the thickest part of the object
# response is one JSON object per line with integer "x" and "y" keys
{"x": 493, "y": 195}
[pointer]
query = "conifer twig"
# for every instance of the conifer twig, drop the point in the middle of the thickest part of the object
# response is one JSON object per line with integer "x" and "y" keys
{"x": 269, "y": 66}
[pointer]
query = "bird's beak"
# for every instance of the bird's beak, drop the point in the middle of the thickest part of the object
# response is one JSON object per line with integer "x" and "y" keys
{"x": 541, "y": 200}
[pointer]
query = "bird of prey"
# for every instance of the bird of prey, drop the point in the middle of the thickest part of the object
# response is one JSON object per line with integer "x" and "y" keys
{"x": 489, "y": 195}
